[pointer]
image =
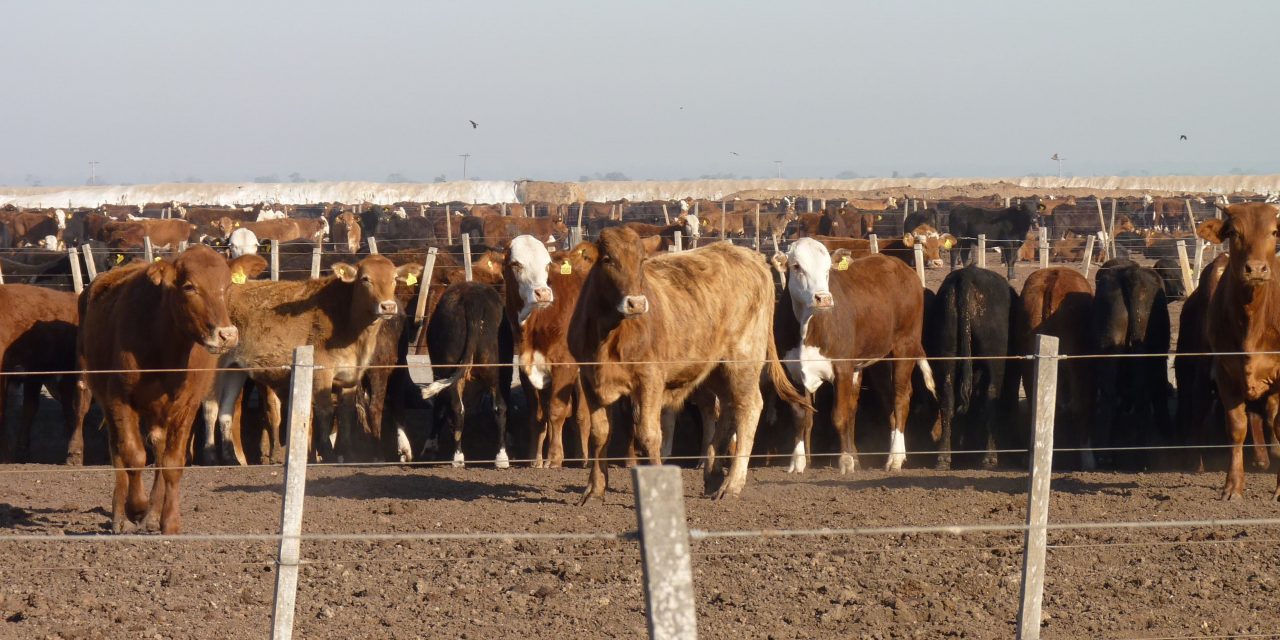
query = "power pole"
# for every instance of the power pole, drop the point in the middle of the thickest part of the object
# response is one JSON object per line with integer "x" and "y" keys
{"x": 1059, "y": 159}
{"x": 778, "y": 164}
{"x": 464, "y": 157}
{"x": 93, "y": 171}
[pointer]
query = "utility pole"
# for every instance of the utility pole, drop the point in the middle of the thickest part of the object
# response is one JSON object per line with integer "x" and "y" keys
{"x": 1059, "y": 159}
{"x": 778, "y": 164}
{"x": 93, "y": 171}
{"x": 464, "y": 157}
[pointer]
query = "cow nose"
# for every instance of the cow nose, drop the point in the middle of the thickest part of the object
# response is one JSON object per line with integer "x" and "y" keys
{"x": 388, "y": 308}
{"x": 935, "y": 263}
{"x": 635, "y": 305}
{"x": 543, "y": 295}
{"x": 227, "y": 337}
{"x": 1257, "y": 270}
{"x": 823, "y": 300}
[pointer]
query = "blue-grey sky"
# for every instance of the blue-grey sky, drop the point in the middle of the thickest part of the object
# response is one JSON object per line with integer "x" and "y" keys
{"x": 664, "y": 89}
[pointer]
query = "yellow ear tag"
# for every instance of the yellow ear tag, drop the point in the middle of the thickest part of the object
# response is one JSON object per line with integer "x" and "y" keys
{"x": 844, "y": 264}
{"x": 946, "y": 244}
{"x": 411, "y": 280}
{"x": 566, "y": 268}
{"x": 158, "y": 259}
{"x": 119, "y": 258}
{"x": 239, "y": 278}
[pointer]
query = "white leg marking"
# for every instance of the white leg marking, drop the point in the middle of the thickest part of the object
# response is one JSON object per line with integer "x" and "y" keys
{"x": 797, "y": 459}
{"x": 501, "y": 462}
{"x": 458, "y": 460}
{"x": 848, "y": 463}
{"x": 897, "y": 451}
{"x": 403, "y": 450}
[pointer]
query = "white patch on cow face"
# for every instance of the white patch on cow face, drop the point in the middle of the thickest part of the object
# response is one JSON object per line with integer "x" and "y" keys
{"x": 242, "y": 241}
{"x": 61, "y": 217}
{"x": 529, "y": 262}
{"x": 808, "y": 277}
{"x": 536, "y": 369}
{"x": 684, "y": 205}
{"x": 692, "y": 224}
{"x": 401, "y": 213}
{"x": 50, "y": 242}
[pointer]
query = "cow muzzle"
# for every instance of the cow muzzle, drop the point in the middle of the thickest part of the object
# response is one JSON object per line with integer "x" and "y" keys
{"x": 934, "y": 264}
{"x": 388, "y": 308}
{"x": 1257, "y": 272}
{"x": 823, "y": 301}
{"x": 633, "y": 305}
{"x": 543, "y": 297}
{"x": 222, "y": 339}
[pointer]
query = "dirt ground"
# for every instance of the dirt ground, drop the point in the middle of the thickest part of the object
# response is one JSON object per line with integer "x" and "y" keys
{"x": 1101, "y": 583}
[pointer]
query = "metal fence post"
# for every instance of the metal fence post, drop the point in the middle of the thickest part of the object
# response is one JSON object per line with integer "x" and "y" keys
{"x": 77, "y": 284}
{"x": 89, "y": 266}
{"x": 1033, "y": 556}
{"x": 466, "y": 255}
{"x": 295, "y": 485}
{"x": 664, "y": 546}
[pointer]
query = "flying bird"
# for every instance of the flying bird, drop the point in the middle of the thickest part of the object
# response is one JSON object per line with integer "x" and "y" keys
{"x": 1182, "y": 137}
{"x": 473, "y": 124}
{"x": 733, "y": 153}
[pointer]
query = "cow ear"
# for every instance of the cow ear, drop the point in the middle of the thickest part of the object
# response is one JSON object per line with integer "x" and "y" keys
{"x": 162, "y": 273}
{"x": 248, "y": 266}
{"x": 587, "y": 252}
{"x": 840, "y": 259}
{"x": 1214, "y": 230}
{"x": 779, "y": 260}
{"x": 909, "y": 240}
{"x": 409, "y": 274}
{"x": 344, "y": 271}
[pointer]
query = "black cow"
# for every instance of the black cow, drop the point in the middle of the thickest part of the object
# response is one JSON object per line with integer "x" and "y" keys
{"x": 50, "y": 268}
{"x": 971, "y": 317}
{"x": 467, "y": 329}
{"x": 1004, "y": 228}
{"x": 1170, "y": 271}
{"x": 1130, "y": 316}
{"x": 917, "y": 218}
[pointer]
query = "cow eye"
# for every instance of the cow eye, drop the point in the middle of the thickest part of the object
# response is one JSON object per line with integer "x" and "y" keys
{"x": 189, "y": 288}
{"x": 366, "y": 279}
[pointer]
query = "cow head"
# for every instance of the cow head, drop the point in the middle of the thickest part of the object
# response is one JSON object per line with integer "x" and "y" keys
{"x": 932, "y": 243}
{"x": 194, "y": 293}
{"x": 373, "y": 281}
{"x": 225, "y": 226}
{"x": 350, "y": 226}
{"x": 692, "y": 227}
{"x": 1250, "y": 229}
{"x": 833, "y": 224}
{"x": 60, "y": 217}
{"x": 807, "y": 265}
{"x": 526, "y": 265}
{"x": 620, "y": 272}
{"x": 243, "y": 242}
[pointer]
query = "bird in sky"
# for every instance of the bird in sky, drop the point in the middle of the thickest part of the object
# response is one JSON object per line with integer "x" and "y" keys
{"x": 1182, "y": 137}
{"x": 473, "y": 124}
{"x": 733, "y": 153}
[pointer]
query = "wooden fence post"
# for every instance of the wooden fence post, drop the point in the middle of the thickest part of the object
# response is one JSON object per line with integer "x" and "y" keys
{"x": 148, "y": 251}
{"x": 373, "y": 246}
{"x": 666, "y": 217}
{"x": 664, "y": 546}
{"x": 1184, "y": 267}
{"x": 756, "y": 245}
{"x": 77, "y": 284}
{"x": 424, "y": 286}
{"x": 466, "y": 255}
{"x": 295, "y": 485}
{"x": 448, "y": 225}
{"x": 89, "y": 266}
{"x": 982, "y": 251}
{"x": 919, "y": 256}
{"x": 679, "y": 242}
{"x": 1033, "y": 555}
{"x": 1199, "y": 267}
{"x": 1044, "y": 247}
{"x": 1102, "y": 225}
{"x": 874, "y": 242}
{"x": 1110, "y": 236}
{"x": 1088, "y": 254}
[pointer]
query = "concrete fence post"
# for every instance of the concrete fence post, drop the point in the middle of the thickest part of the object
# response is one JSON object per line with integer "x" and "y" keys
{"x": 664, "y": 547}
{"x": 1088, "y": 254}
{"x": 982, "y": 250}
{"x": 295, "y": 484}
{"x": 424, "y": 286}
{"x": 756, "y": 244}
{"x": 148, "y": 251}
{"x": 77, "y": 284}
{"x": 678, "y": 241}
{"x": 919, "y": 256}
{"x": 316, "y": 253}
{"x": 466, "y": 255}
{"x": 373, "y": 246}
{"x": 1044, "y": 247}
{"x": 89, "y": 265}
{"x": 1184, "y": 268}
{"x": 1102, "y": 226}
{"x": 1033, "y": 557}
{"x": 874, "y": 242}
{"x": 275, "y": 260}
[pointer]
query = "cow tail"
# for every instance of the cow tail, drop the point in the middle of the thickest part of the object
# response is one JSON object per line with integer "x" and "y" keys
{"x": 963, "y": 352}
{"x": 469, "y": 348}
{"x": 778, "y": 374}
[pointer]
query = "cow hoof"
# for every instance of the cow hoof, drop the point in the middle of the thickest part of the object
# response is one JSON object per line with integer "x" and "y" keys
{"x": 502, "y": 461}
{"x": 432, "y": 444}
{"x": 1231, "y": 496}
{"x": 848, "y": 463}
{"x": 988, "y": 463}
{"x": 208, "y": 457}
{"x": 943, "y": 464}
{"x": 895, "y": 462}
{"x": 228, "y": 454}
{"x": 459, "y": 461}
{"x": 75, "y": 458}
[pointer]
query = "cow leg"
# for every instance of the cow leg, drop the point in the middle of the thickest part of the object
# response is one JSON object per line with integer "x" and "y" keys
{"x": 668, "y": 422}
{"x": 902, "y": 370}
{"x": 501, "y": 461}
{"x": 582, "y": 415}
{"x": 598, "y": 476}
{"x": 803, "y": 434}
{"x": 6, "y": 455}
{"x": 157, "y": 440}
{"x": 274, "y": 448}
{"x": 172, "y": 460}
{"x": 848, "y": 390}
{"x": 708, "y": 418}
{"x": 946, "y": 415}
{"x": 458, "y": 419}
{"x": 648, "y": 421}
{"x": 559, "y": 403}
{"x": 228, "y": 388}
{"x": 346, "y": 444}
{"x": 129, "y": 457}
{"x": 1273, "y": 422}
{"x": 1261, "y": 458}
{"x": 75, "y": 404}
{"x": 539, "y": 402}
{"x": 744, "y": 405}
{"x": 1237, "y": 428}
{"x": 30, "y": 405}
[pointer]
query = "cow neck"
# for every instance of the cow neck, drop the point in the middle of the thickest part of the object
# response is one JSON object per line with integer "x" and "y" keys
{"x": 546, "y": 326}
{"x": 1260, "y": 306}
{"x": 346, "y": 323}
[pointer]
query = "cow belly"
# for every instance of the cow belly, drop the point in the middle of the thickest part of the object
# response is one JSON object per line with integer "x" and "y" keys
{"x": 536, "y": 369}
{"x": 810, "y": 367}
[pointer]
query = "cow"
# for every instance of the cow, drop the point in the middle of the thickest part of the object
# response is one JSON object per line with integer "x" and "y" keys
{"x": 38, "y": 334}
{"x": 279, "y": 230}
{"x": 164, "y": 234}
{"x": 139, "y": 323}
{"x": 1170, "y": 271}
{"x": 687, "y": 224}
{"x": 471, "y": 349}
{"x": 497, "y": 231}
{"x": 29, "y": 228}
{"x": 84, "y": 226}
{"x": 845, "y": 315}
{"x": 1005, "y": 229}
{"x": 970, "y": 331}
{"x": 346, "y": 232}
{"x": 1243, "y": 326}
{"x": 1058, "y": 301}
{"x": 928, "y": 238}
{"x": 1130, "y": 318}
{"x": 339, "y": 315}
{"x": 542, "y": 290}
{"x": 656, "y": 328}
{"x": 241, "y": 242}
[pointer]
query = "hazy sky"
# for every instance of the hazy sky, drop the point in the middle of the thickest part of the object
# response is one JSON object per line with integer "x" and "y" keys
{"x": 227, "y": 90}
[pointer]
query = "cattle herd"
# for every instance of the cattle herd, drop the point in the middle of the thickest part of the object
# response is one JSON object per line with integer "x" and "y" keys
{"x": 628, "y": 319}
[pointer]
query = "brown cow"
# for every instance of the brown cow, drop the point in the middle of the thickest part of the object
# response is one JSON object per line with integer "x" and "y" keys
{"x": 1059, "y": 302}
{"x": 39, "y": 334}
{"x": 346, "y": 231}
{"x": 30, "y": 228}
{"x": 164, "y": 234}
{"x": 497, "y": 231}
{"x": 136, "y": 321}
{"x": 846, "y": 315}
{"x": 281, "y": 230}
{"x": 1244, "y": 317}
{"x": 656, "y": 328}
{"x": 340, "y": 315}
{"x": 541, "y": 294}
